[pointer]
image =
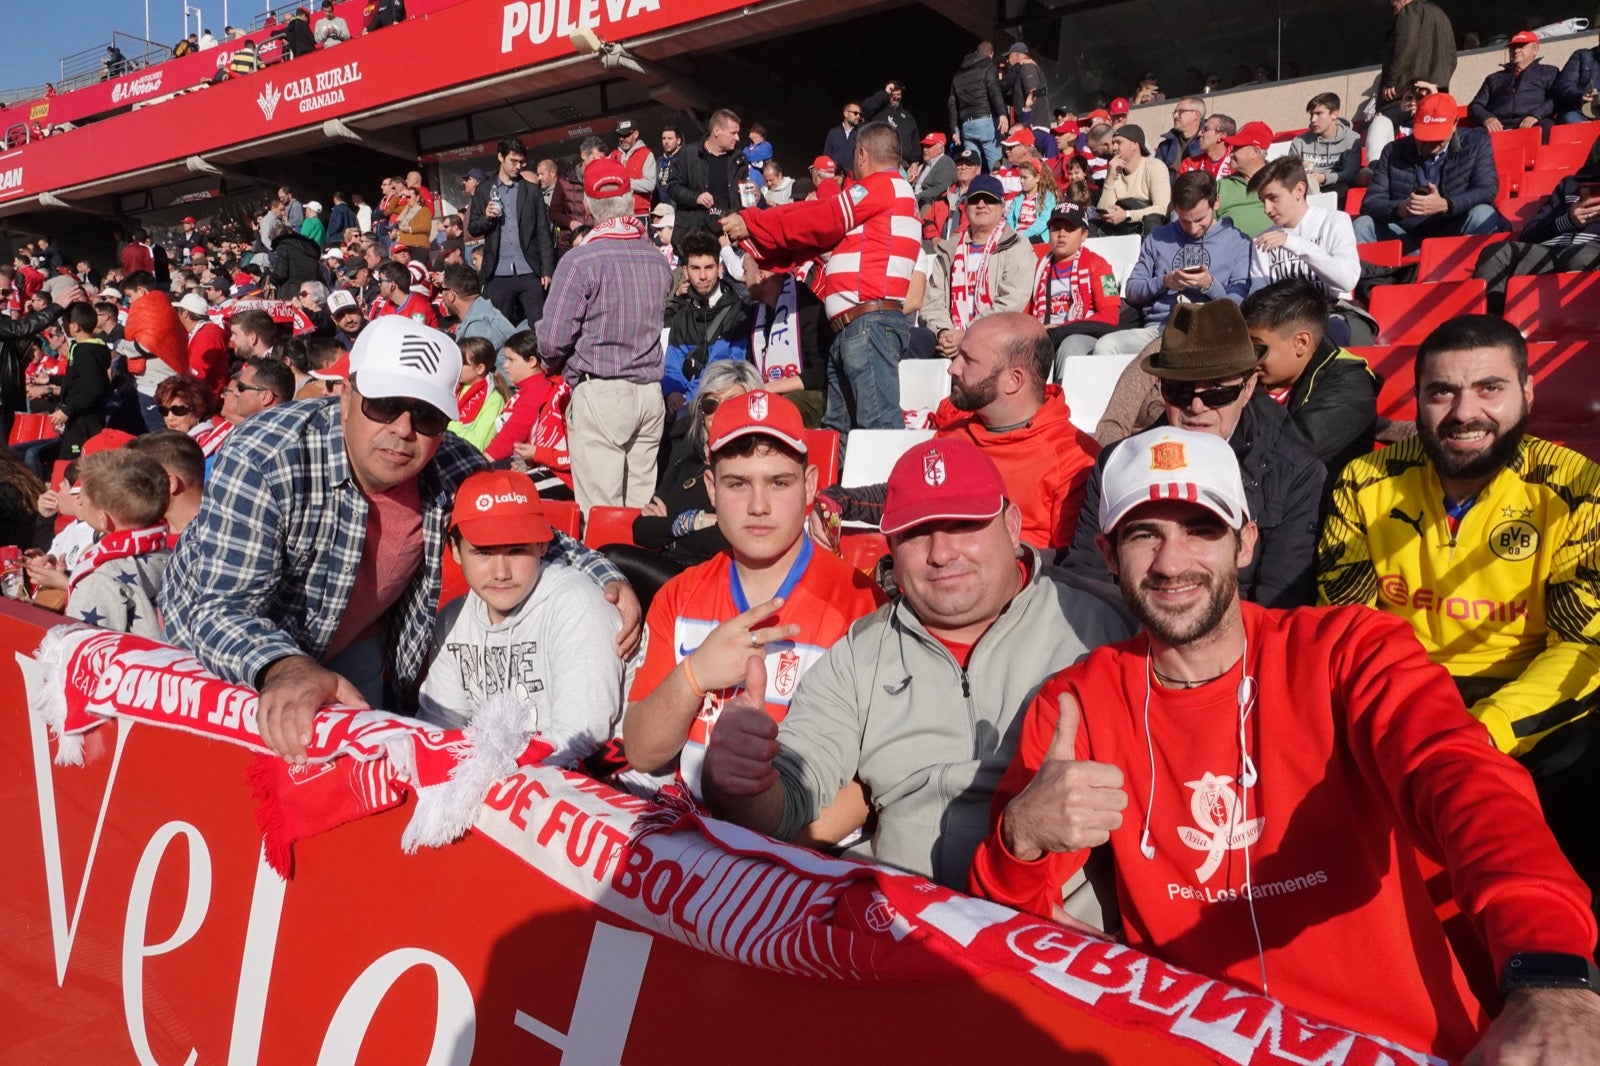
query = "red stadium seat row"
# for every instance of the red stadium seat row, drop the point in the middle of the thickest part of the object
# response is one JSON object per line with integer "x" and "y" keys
{"x": 1543, "y": 307}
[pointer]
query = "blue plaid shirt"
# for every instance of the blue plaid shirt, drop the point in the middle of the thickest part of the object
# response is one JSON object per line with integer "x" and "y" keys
{"x": 267, "y": 567}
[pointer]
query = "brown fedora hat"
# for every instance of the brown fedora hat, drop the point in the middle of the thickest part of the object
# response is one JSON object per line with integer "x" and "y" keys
{"x": 1204, "y": 341}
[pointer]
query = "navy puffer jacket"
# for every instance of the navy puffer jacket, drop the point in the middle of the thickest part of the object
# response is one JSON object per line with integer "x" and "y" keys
{"x": 1467, "y": 180}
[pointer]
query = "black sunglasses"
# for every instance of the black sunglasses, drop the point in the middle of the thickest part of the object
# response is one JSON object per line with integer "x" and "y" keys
{"x": 426, "y": 419}
{"x": 180, "y": 410}
{"x": 1182, "y": 394}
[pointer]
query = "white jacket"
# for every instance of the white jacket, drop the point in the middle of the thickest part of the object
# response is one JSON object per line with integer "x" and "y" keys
{"x": 1322, "y": 247}
{"x": 556, "y": 653}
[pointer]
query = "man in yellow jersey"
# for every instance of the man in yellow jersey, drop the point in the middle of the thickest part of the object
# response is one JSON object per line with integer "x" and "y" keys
{"x": 1488, "y": 541}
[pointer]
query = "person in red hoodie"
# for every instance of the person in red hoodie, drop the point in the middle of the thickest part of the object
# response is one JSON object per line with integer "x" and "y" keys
{"x": 1276, "y": 785}
{"x": 535, "y": 420}
{"x": 1000, "y": 402}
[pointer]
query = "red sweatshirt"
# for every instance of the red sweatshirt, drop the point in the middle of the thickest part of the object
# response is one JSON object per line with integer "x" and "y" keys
{"x": 1364, "y": 755}
{"x": 1045, "y": 464}
{"x": 537, "y": 415}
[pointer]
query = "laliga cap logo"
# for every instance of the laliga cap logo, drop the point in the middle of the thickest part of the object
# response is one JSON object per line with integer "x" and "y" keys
{"x": 933, "y": 467}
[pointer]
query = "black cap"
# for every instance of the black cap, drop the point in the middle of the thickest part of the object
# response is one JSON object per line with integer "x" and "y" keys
{"x": 1071, "y": 216}
{"x": 1129, "y": 132}
{"x": 969, "y": 155}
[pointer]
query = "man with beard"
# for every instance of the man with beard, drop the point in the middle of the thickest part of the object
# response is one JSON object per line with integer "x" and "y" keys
{"x": 1265, "y": 780}
{"x": 999, "y": 401}
{"x": 1485, "y": 540}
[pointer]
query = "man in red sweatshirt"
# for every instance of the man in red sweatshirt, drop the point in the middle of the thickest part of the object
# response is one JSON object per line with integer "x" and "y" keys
{"x": 1268, "y": 780}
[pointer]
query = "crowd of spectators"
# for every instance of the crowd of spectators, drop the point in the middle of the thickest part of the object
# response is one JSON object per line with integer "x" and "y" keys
{"x": 323, "y": 446}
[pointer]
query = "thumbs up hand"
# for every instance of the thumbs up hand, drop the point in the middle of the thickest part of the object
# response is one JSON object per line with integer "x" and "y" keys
{"x": 744, "y": 740}
{"x": 1071, "y": 803}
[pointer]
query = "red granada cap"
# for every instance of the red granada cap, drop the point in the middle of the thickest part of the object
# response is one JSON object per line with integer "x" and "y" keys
{"x": 1119, "y": 106}
{"x": 1436, "y": 117}
{"x": 498, "y": 507}
{"x": 825, "y": 166}
{"x": 1523, "y": 37}
{"x": 605, "y": 178}
{"x": 1253, "y": 134}
{"x": 932, "y": 139}
{"x": 757, "y": 412}
{"x": 1019, "y": 136}
{"x": 946, "y": 479}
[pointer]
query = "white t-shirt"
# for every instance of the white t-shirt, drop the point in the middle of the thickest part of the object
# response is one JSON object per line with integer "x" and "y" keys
{"x": 1322, "y": 247}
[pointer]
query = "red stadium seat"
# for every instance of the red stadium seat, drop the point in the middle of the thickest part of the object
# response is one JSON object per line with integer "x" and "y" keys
{"x": 1537, "y": 185}
{"x": 1583, "y": 133}
{"x": 1517, "y": 211}
{"x": 1522, "y": 143}
{"x": 1408, "y": 313}
{"x": 1452, "y": 258}
{"x": 1566, "y": 401}
{"x": 1353, "y": 198}
{"x": 1566, "y": 156}
{"x": 863, "y": 550}
{"x": 609, "y": 525}
{"x": 1551, "y": 307}
{"x": 1381, "y": 253}
{"x": 1509, "y": 173}
{"x": 1394, "y": 363}
{"x": 563, "y": 515}
{"x": 822, "y": 448}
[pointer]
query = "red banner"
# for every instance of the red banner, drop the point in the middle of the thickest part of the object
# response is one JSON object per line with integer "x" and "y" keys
{"x": 145, "y": 927}
{"x": 485, "y": 40}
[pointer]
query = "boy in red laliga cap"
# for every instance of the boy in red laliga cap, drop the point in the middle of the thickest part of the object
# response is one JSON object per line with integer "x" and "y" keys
{"x": 705, "y": 642}
{"x": 543, "y": 634}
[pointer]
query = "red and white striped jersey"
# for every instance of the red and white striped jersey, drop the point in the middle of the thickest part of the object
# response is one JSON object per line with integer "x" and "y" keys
{"x": 871, "y": 228}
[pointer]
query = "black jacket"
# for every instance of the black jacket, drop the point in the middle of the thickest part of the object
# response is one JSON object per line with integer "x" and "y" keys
{"x": 974, "y": 92}
{"x": 1421, "y": 47}
{"x": 876, "y": 108}
{"x": 533, "y": 228}
{"x": 1019, "y": 81}
{"x": 84, "y": 390}
{"x": 691, "y": 176}
{"x": 1581, "y": 73}
{"x": 1467, "y": 180}
{"x": 296, "y": 259}
{"x": 1334, "y": 405}
{"x": 298, "y": 38}
{"x": 387, "y": 13}
{"x": 682, "y": 487}
{"x": 1512, "y": 97}
{"x": 1283, "y": 486}
{"x": 16, "y": 337}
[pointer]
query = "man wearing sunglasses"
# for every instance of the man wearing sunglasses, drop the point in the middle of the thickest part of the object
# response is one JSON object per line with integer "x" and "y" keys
{"x": 313, "y": 569}
{"x": 1205, "y": 370}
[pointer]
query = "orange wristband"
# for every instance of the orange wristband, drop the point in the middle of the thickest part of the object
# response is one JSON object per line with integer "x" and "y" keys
{"x": 688, "y": 675}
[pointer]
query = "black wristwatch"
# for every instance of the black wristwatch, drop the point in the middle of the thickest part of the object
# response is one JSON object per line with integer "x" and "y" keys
{"x": 1548, "y": 969}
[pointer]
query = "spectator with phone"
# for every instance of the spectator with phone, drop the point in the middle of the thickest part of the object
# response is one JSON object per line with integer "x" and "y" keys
{"x": 1564, "y": 236}
{"x": 1575, "y": 90}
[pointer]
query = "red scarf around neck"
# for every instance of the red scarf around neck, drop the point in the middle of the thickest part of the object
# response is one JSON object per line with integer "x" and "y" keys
{"x": 471, "y": 401}
{"x": 616, "y": 229}
{"x": 970, "y": 298}
{"x": 123, "y": 544}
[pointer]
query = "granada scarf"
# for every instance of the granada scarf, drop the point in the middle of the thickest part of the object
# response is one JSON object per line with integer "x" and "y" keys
{"x": 775, "y": 341}
{"x": 123, "y": 544}
{"x": 970, "y": 298}
{"x": 471, "y": 401}
{"x": 616, "y": 229}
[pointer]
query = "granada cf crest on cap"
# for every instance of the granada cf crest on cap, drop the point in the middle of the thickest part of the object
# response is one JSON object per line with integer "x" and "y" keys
{"x": 933, "y": 467}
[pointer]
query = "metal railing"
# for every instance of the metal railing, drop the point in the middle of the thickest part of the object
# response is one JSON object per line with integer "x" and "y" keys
{"x": 89, "y": 66}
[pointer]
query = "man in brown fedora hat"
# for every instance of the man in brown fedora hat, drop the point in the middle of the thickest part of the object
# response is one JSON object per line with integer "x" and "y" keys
{"x": 1204, "y": 374}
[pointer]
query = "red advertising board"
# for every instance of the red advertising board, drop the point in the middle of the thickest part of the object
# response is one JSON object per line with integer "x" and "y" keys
{"x": 485, "y": 39}
{"x": 142, "y": 925}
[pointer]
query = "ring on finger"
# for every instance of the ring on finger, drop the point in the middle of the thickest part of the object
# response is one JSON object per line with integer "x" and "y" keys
{"x": 754, "y": 641}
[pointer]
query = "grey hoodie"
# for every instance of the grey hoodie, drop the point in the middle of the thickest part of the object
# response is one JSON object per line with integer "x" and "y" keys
{"x": 1337, "y": 159}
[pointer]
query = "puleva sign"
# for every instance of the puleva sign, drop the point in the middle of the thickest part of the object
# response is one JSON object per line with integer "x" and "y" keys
{"x": 543, "y": 19}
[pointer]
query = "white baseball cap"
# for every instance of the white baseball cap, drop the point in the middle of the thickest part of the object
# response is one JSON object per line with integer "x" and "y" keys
{"x": 1167, "y": 463}
{"x": 314, "y": 206}
{"x": 195, "y": 304}
{"x": 397, "y": 356}
{"x": 340, "y": 300}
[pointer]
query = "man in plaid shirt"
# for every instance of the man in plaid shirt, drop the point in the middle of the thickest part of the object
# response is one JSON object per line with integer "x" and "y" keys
{"x": 312, "y": 571}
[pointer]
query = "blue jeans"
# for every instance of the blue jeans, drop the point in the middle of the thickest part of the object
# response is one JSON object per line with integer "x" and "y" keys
{"x": 1478, "y": 221}
{"x": 980, "y": 133}
{"x": 864, "y": 373}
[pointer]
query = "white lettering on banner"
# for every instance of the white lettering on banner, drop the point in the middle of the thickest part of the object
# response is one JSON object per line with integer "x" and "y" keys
{"x": 134, "y": 948}
{"x": 10, "y": 179}
{"x": 612, "y": 976}
{"x": 544, "y": 19}
{"x": 455, "y": 1026}
{"x": 255, "y": 967}
{"x": 143, "y": 85}
{"x": 310, "y": 93}
{"x": 62, "y": 931}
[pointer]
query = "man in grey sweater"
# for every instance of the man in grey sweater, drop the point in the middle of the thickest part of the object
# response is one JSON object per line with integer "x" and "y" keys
{"x": 921, "y": 701}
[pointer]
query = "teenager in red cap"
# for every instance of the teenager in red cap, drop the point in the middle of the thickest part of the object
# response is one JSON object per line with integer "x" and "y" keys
{"x": 758, "y": 614}
{"x": 1268, "y": 782}
{"x": 920, "y": 701}
{"x": 538, "y": 631}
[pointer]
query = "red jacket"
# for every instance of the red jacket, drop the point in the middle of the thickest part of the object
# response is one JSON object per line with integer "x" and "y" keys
{"x": 537, "y": 415}
{"x": 1045, "y": 464}
{"x": 1090, "y": 289}
{"x": 208, "y": 356}
{"x": 136, "y": 256}
{"x": 1365, "y": 757}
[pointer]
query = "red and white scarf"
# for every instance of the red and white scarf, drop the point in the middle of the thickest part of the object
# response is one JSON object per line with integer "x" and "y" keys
{"x": 970, "y": 297}
{"x": 616, "y": 229}
{"x": 471, "y": 400}
{"x": 123, "y": 544}
{"x": 359, "y": 761}
{"x": 775, "y": 340}
{"x": 1054, "y": 305}
{"x": 1028, "y": 210}
{"x": 211, "y": 438}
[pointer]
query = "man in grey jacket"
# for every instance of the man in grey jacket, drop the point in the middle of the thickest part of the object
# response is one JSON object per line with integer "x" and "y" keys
{"x": 922, "y": 700}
